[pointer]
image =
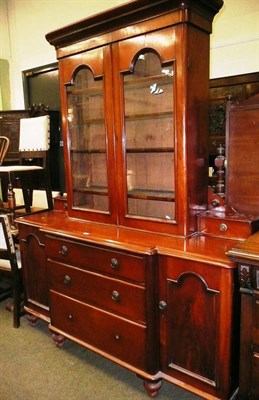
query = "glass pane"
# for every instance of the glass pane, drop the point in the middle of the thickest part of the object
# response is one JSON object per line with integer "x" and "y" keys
{"x": 87, "y": 142}
{"x": 149, "y": 134}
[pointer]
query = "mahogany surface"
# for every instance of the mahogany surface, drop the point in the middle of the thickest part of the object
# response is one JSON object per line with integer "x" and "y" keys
{"x": 247, "y": 256}
{"x": 110, "y": 54}
{"x": 194, "y": 280}
{"x": 154, "y": 282}
{"x": 242, "y": 138}
{"x": 211, "y": 250}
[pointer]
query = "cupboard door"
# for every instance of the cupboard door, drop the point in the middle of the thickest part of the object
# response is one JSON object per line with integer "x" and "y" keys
{"x": 196, "y": 313}
{"x": 146, "y": 89}
{"x": 89, "y": 145}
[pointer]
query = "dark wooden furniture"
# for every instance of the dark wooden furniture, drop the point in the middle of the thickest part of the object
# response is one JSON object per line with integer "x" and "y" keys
{"x": 235, "y": 203}
{"x": 10, "y": 127}
{"x": 238, "y": 88}
{"x": 4, "y": 146}
{"x": 163, "y": 298}
{"x": 246, "y": 254}
{"x": 235, "y": 214}
{"x": 134, "y": 97}
{"x": 242, "y": 128}
{"x": 10, "y": 269}
{"x": 33, "y": 170}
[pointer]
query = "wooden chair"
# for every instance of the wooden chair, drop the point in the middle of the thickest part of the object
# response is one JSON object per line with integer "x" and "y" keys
{"x": 4, "y": 146}
{"x": 33, "y": 170}
{"x": 10, "y": 269}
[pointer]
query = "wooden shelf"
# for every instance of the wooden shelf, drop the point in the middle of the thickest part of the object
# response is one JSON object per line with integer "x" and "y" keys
{"x": 99, "y": 190}
{"x": 88, "y": 151}
{"x": 143, "y": 81}
{"x": 89, "y": 122}
{"x": 145, "y": 194}
{"x": 89, "y": 92}
{"x": 150, "y": 150}
{"x": 156, "y": 115}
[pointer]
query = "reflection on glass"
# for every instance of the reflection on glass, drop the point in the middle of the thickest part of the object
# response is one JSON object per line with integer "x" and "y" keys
{"x": 149, "y": 134}
{"x": 87, "y": 142}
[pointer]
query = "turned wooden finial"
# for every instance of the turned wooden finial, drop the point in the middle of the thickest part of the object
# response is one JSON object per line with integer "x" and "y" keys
{"x": 220, "y": 165}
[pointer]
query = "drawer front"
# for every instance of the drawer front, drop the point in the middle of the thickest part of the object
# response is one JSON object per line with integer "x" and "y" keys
{"x": 119, "y": 264}
{"x": 112, "y": 294}
{"x": 224, "y": 228}
{"x": 113, "y": 335}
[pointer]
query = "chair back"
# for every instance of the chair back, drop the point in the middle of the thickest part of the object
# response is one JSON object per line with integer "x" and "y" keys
{"x": 34, "y": 139}
{"x": 11, "y": 269}
{"x": 4, "y": 146}
{"x": 7, "y": 247}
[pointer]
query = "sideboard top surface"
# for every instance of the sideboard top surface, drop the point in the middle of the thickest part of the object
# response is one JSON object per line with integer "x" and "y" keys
{"x": 198, "y": 247}
{"x": 248, "y": 249}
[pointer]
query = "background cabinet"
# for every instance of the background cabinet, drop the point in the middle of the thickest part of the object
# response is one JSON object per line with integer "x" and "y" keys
{"x": 238, "y": 88}
{"x": 10, "y": 127}
{"x": 246, "y": 255}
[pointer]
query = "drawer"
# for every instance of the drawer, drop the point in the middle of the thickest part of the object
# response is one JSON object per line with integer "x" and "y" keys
{"x": 227, "y": 228}
{"x": 120, "y": 264}
{"x": 120, "y": 297}
{"x": 113, "y": 335}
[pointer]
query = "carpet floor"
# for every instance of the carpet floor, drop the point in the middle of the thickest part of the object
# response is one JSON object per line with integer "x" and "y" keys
{"x": 33, "y": 368}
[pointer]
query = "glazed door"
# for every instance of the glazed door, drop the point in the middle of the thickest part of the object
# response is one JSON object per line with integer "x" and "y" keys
{"x": 145, "y": 78}
{"x": 89, "y": 152}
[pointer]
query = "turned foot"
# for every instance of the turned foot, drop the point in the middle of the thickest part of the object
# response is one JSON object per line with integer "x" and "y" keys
{"x": 152, "y": 387}
{"x": 58, "y": 339}
{"x": 32, "y": 319}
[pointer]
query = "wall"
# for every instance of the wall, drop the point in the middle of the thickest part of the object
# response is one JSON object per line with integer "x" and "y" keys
{"x": 24, "y": 23}
{"x": 5, "y": 56}
{"x": 235, "y": 39}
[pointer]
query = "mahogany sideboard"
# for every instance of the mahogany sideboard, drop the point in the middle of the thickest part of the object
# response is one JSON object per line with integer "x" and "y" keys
{"x": 132, "y": 260}
{"x": 112, "y": 289}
